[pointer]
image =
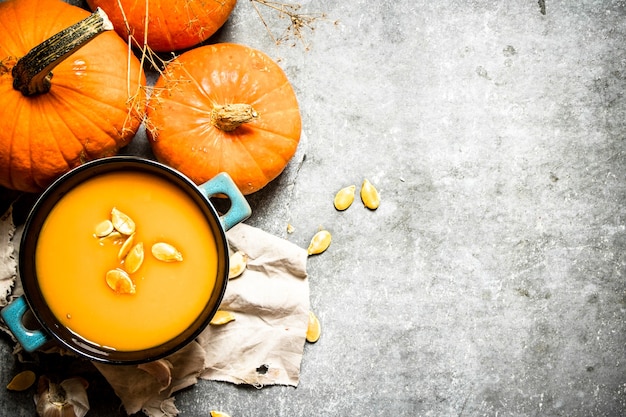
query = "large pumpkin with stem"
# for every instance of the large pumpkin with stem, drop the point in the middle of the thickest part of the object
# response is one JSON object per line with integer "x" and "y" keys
{"x": 63, "y": 101}
{"x": 166, "y": 25}
{"x": 224, "y": 108}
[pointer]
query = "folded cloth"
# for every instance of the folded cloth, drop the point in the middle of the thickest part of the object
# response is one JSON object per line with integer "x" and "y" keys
{"x": 270, "y": 300}
{"x": 8, "y": 264}
{"x": 262, "y": 346}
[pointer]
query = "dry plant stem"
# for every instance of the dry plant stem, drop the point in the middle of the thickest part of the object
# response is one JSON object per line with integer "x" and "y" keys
{"x": 32, "y": 73}
{"x": 230, "y": 116}
{"x": 298, "y": 21}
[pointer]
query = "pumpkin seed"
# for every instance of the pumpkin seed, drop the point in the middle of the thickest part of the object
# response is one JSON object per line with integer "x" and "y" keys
{"x": 122, "y": 222}
{"x": 22, "y": 381}
{"x": 238, "y": 262}
{"x": 314, "y": 328}
{"x": 128, "y": 243}
{"x": 166, "y": 252}
{"x": 104, "y": 228}
{"x": 369, "y": 195}
{"x": 113, "y": 237}
{"x": 218, "y": 414}
{"x": 134, "y": 259}
{"x": 222, "y": 317}
{"x": 319, "y": 243}
{"x": 119, "y": 281}
{"x": 344, "y": 198}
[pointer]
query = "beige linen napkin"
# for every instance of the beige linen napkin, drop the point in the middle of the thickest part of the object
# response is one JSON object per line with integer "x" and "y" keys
{"x": 262, "y": 346}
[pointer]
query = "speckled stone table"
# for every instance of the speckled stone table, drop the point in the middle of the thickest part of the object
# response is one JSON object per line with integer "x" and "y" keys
{"x": 491, "y": 279}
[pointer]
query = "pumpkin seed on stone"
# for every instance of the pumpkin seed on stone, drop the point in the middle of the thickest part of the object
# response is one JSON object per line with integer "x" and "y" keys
{"x": 344, "y": 198}
{"x": 215, "y": 413}
{"x": 319, "y": 243}
{"x": 128, "y": 243}
{"x": 222, "y": 317}
{"x": 237, "y": 264}
{"x": 166, "y": 252}
{"x": 104, "y": 228}
{"x": 122, "y": 222}
{"x": 370, "y": 195}
{"x": 119, "y": 281}
{"x": 134, "y": 259}
{"x": 22, "y": 381}
{"x": 314, "y": 328}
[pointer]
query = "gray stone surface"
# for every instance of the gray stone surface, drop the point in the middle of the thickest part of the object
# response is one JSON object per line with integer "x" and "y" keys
{"x": 491, "y": 279}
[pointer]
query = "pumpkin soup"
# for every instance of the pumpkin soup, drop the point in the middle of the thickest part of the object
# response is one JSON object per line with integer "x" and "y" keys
{"x": 136, "y": 306}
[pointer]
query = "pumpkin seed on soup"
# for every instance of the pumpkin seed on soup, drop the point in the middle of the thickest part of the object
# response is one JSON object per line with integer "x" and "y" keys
{"x": 104, "y": 228}
{"x": 113, "y": 237}
{"x": 128, "y": 243}
{"x": 166, "y": 252}
{"x": 122, "y": 222}
{"x": 134, "y": 259}
{"x": 119, "y": 281}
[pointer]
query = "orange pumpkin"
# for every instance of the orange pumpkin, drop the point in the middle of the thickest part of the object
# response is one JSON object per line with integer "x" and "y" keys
{"x": 88, "y": 107}
{"x": 224, "y": 107}
{"x": 171, "y": 24}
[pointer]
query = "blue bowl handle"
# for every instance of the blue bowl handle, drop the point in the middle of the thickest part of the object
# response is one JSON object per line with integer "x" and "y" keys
{"x": 239, "y": 208}
{"x": 13, "y": 316}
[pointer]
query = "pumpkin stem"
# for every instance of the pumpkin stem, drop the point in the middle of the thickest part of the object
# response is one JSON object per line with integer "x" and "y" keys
{"x": 32, "y": 73}
{"x": 229, "y": 117}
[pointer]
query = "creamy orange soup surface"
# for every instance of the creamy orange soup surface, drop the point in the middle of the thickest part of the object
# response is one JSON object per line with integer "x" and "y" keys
{"x": 72, "y": 262}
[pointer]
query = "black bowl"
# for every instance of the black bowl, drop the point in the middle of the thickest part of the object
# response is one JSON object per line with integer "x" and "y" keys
{"x": 27, "y": 267}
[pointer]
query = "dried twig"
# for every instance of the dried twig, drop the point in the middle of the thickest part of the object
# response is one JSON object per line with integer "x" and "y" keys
{"x": 299, "y": 22}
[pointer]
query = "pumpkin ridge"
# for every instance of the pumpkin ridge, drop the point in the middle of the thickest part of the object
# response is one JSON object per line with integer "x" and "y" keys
{"x": 24, "y": 164}
{"x": 10, "y": 33}
{"x": 276, "y": 90}
{"x": 86, "y": 86}
{"x": 52, "y": 21}
{"x": 43, "y": 181}
{"x": 270, "y": 150}
{"x": 69, "y": 159}
{"x": 199, "y": 90}
{"x": 190, "y": 108}
{"x": 240, "y": 144}
{"x": 10, "y": 154}
{"x": 91, "y": 119}
{"x": 268, "y": 129}
{"x": 279, "y": 91}
{"x": 163, "y": 18}
{"x": 93, "y": 80}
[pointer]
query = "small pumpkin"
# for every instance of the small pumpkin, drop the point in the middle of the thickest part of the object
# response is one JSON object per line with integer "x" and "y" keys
{"x": 171, "y": 24}
{"x": 89, "y": 106}
{"x": 224, "y": 108}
